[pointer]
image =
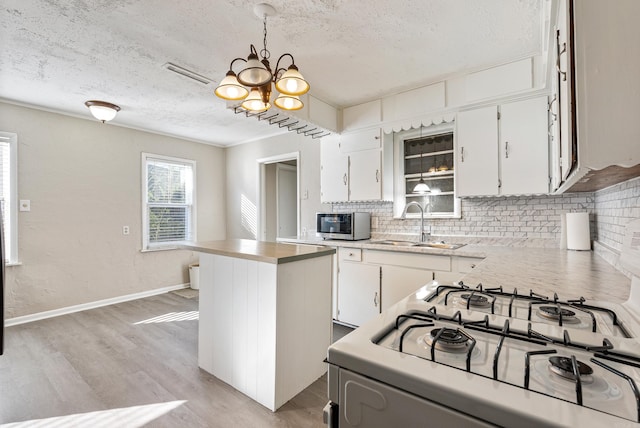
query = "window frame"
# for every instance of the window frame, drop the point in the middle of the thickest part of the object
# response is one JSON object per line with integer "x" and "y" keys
{"x": 11, "y": 249}
{"x": 399, "y": 200}
{"x": 167, "y": 245}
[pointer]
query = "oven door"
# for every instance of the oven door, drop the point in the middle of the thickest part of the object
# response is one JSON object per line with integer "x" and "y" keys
{"x": 367, "y": 403}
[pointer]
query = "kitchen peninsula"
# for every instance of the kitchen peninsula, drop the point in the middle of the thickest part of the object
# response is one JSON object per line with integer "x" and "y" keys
{"x": 265, "y": 315}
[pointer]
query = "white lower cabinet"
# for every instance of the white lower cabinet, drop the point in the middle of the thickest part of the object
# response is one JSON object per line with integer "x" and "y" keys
{"x": 370, "y": 281}
{"x": 399, "y": 281}
{"x": 358, "y": 292}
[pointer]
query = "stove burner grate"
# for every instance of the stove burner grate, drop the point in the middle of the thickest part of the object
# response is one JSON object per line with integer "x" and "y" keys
{"x": 562, "y": 366}
{"x": 555, "y": 312}
{"x": 449, "y": 340}
{"x": 476, "y": 300}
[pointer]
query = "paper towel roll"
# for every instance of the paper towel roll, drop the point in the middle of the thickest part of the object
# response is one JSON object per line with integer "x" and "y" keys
{"x": 578, "y": 234}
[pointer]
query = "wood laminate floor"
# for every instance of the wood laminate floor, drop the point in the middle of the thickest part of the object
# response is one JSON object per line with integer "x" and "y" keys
{"x": 130, "y": 364}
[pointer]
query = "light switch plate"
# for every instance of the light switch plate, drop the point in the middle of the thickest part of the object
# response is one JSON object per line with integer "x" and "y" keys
{"x": 25, "y": 205}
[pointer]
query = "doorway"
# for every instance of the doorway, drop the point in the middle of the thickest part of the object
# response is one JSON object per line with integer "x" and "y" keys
{"x": 278, "y": 195}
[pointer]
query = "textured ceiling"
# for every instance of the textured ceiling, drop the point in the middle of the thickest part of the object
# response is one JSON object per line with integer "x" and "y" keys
{"x": 57, "y": 54}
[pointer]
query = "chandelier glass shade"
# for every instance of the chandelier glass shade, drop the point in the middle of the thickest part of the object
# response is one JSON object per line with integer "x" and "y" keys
{"x": 288, "y": 102}
{"x": 255, "y": 102}
{"x": 253, "y": 84}
{"x": 230, "y": 89}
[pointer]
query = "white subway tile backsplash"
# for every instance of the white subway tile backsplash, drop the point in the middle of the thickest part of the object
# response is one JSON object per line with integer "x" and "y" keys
{"x": 522, "y": 217}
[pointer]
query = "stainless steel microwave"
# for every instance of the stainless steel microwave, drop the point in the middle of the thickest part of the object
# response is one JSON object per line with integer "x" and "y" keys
{"x": 347, "y": 226}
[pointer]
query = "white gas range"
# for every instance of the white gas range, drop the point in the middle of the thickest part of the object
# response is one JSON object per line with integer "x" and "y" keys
{"x": 479, "y": 356}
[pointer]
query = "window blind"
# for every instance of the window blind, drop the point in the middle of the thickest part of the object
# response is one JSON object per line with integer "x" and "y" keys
{"x": 169, "y": 201}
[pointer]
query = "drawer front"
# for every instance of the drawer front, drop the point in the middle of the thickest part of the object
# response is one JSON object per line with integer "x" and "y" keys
{"x": 413, "y": 260}
{"x": 351, "y": 254}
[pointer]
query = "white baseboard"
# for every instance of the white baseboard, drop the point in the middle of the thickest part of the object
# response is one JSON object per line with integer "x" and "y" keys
{"x": 91, "y": 305}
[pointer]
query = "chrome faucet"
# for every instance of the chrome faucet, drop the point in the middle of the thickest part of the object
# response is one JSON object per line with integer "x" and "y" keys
{"x": 423, "y": 235}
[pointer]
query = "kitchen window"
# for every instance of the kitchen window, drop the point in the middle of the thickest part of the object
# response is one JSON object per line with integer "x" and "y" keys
{"x": 9, "y": 194}
{"x": 426, "y": 155}
{"x": 168, "y": 201}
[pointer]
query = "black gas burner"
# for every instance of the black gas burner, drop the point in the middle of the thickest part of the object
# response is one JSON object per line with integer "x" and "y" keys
{"x": 554, "y": 312}
{"x": 450, "y": 340}
{"x": 476, "y": 300}
{"x": 562, "y": 366}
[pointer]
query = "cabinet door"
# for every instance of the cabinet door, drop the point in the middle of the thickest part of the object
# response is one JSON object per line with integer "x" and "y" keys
{"x": 524, "y": 147}
{"x": 334, "y": 172}
{"x": 358, "y": 292}
{"x": 398, "y": 282}
{"x": 476, "y": 153}
{"x": 361, "y": 140}
{"x": 365, "y": 175}
{"x": 564, "y": 76}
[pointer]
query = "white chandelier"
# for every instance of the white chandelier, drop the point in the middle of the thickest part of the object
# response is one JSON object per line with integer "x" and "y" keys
{"x": 253, "y": 83}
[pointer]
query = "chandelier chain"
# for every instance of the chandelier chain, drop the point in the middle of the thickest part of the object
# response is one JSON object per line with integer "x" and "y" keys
{"x": 265, "y": 52}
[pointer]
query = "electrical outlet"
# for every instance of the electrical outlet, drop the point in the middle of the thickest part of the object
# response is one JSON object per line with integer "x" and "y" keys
{"x": 125, "y": 230}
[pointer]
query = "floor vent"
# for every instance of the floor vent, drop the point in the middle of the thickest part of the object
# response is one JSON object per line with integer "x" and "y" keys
{"x": 187, "y": 73}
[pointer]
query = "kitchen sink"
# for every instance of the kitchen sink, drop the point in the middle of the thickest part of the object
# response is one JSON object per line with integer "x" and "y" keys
{"x": 395, "y": 243}
{"x": 439, "y": 244}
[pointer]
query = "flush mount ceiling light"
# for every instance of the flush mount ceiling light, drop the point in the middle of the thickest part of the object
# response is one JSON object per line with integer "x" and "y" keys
{"x": 102, "y": 110}
{"x": 253, "y": 83}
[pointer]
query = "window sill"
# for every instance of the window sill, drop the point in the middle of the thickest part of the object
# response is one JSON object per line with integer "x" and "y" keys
{"x": 11, "y": 264}
{"x": 154, "y": 249}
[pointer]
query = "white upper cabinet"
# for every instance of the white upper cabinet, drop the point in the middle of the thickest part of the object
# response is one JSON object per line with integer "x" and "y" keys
{"x": 524, "y": 147}
{"x": 360, "y": 140}
{"x": 365, "y": 175}
{"x": 362, "y": 116}
{"x": 351, "y": 167}
{"x": 503, "y": 150}
{"x": 597, "y": 64}
{"x": 477, "y": 152}
{"x": 334, "y": 171}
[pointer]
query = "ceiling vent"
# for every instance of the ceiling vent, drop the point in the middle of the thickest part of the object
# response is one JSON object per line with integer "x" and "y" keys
{"x": 187, "y": 73}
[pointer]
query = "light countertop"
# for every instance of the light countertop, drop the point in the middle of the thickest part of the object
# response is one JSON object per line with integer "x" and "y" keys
{"x": 544, "y": 270}
{"x": 269, "y": 252}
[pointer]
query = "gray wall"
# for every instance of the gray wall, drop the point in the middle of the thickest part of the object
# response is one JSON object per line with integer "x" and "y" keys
{"x": 242, "y": 181}
{"x": 84, "y": 182}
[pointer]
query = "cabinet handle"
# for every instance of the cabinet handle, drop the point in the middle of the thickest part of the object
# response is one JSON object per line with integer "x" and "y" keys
{"x": 506, "y": 150}
{"x": 375, "y": 299}
{"x": 564, "y": 50}
{"x": 462, "y": 154}
{"x": 344, "y": 179}
{"x": 377, "y": 175}
{"x": 554, "y": 116}
{"x": 350, "y": 254}
{"x": 473, "y": 265}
